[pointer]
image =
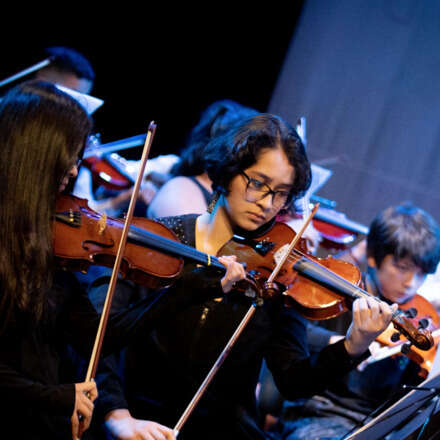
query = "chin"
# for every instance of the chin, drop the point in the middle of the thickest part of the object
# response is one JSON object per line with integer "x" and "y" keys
{"x": 249, "y": 225}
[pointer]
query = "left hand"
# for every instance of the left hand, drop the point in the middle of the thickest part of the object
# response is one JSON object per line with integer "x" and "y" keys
{"x": 123, "y": 426}
{"x": 234, "y": 272}
{"x": 370, "y": 318}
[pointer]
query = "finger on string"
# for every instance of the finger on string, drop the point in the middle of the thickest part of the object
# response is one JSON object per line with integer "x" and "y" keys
{"x": 374, "y": 307}
{"x": 358, "y": 309}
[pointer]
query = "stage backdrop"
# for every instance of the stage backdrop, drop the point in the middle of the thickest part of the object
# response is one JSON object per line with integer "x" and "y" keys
{"x": 366, "y": 76}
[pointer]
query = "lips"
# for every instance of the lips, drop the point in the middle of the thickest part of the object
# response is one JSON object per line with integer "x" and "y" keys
{"x": 256, "y": 217}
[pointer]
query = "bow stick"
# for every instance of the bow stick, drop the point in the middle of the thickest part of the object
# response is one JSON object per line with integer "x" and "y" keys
{"x": 93, "y": 364}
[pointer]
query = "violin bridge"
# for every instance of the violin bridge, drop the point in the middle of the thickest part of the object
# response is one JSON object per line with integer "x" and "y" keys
{"x": 280, "y": 253}
{"x": 102, "y": 224}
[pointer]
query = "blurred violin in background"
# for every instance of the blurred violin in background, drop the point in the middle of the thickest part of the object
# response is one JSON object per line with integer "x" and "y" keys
{"x": 112, "y": 177}
{"x": 107, "y": 167}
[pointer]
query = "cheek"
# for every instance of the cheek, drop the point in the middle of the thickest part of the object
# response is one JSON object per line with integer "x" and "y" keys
{"x": 235, "y": 197}
{"x": 389, "y": 279}
{"x": 419, "y": 280}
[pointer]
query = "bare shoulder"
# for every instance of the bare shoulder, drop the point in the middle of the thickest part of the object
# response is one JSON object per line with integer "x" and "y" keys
{"x": 180, "y": 195}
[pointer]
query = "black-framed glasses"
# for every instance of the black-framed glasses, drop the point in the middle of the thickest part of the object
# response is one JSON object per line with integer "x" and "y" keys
{"x": 257, "y": 190}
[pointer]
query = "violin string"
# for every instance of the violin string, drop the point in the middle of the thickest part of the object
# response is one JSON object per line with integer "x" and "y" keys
{"x": 174, "y": 247}
{"x": 296, "y": 255}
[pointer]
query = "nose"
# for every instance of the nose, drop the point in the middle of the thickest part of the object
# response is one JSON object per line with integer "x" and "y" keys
{"x": 266, "y": 202}
{"x": 73, "y": 172}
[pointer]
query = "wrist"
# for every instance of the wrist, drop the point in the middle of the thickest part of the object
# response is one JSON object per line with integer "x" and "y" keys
{"x": 117, "y": 414}
{"x": 353, "y": 349}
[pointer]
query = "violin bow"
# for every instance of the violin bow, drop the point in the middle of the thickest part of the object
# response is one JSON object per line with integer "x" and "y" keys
{"x": 292, "y": 244}
{"x": 244, "y": 322}
{"x": 93, "y": 364}
{"x": 26, "y": 71}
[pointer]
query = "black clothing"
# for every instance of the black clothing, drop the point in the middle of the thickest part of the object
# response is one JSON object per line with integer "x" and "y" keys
{"x": 34, "y": 405}
{"x": 354, "y": 396}
{"x": 165, "y": 368}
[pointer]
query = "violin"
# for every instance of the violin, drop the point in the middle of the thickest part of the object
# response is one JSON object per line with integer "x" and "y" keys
{"x": 108, "y": 168}
{"x": 153, "y": 255}
{"x": 336, "y": 231}
{"x": 84, "y": 237}
{"x": 422, "y": 314}
{"x": 318, "y": 288}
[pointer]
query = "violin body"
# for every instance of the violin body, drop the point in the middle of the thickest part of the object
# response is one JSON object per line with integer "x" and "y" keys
{"x": 83, "y": 237}
{"x": 107, "y": 172}
{"x": 332, "y": 236}
{"x": 311, "y": 299}
{"x": 108, "y": 168}
{"x": 336, "y": 232}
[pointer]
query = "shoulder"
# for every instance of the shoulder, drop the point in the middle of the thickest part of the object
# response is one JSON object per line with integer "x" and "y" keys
{"x": 179, "y": 183}
{"x": 180, "y": 195}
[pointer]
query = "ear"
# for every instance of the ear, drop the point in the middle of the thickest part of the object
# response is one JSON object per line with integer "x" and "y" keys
{"x": 371, "y": 262}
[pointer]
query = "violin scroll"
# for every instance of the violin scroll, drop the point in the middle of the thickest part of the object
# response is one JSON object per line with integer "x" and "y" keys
{"x": 420, "y": 337}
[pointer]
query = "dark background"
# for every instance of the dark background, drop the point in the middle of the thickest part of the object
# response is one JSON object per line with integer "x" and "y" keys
{"x": 164, "y": 65}
{"x": 363, "y": 74}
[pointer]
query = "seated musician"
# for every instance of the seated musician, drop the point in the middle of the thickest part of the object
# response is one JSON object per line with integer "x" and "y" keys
{"x": 403, "y": 246}
{"x": 257, "y": 168}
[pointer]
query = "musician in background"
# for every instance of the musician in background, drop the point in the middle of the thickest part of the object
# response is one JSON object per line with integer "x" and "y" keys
{"x": 69, "y": 68}
{"x": 403, "y": 247}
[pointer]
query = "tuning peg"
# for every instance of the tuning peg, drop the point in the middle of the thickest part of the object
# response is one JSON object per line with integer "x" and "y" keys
{"x": 411, "y": 312}
{"x": 424, "y": 323}
{"x": 406, "y": 347}
{"x": 395, "y": 337}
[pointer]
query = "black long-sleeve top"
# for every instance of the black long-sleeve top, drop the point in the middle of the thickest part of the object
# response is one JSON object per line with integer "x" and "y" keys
{"x": 33, "y": 403}
{"x": 165, "y": 368}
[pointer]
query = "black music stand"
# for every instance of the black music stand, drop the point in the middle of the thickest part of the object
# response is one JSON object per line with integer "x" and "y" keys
{"x": 407, "y": 414}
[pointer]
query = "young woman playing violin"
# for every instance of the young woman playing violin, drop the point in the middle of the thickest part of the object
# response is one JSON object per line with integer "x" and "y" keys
{"x": 403, "y": 246}
{"x": 42, "y": 135}
{"x": 257, "y": 167}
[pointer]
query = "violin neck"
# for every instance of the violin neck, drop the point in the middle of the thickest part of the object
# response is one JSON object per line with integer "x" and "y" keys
{"x": 146, "y": 238}
{"x": 111, "y": 147}
{"x": 120, "y": 164}
{"x": 329, "y": 279}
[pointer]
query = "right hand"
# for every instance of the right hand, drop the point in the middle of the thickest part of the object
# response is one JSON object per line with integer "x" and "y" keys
{"x": 234, "y": 272}
{"x": 85, "y": 395}
{"x": 123, "y": 426}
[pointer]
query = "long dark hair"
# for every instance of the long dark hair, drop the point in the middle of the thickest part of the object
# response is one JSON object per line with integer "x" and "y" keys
{"x": 214, "y": 121}
{"x": 228, "y": 155}
{"x": 41, "y": 131}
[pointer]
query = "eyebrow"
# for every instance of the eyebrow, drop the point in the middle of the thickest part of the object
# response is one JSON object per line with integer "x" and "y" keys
{"x": 268, "y": 180}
